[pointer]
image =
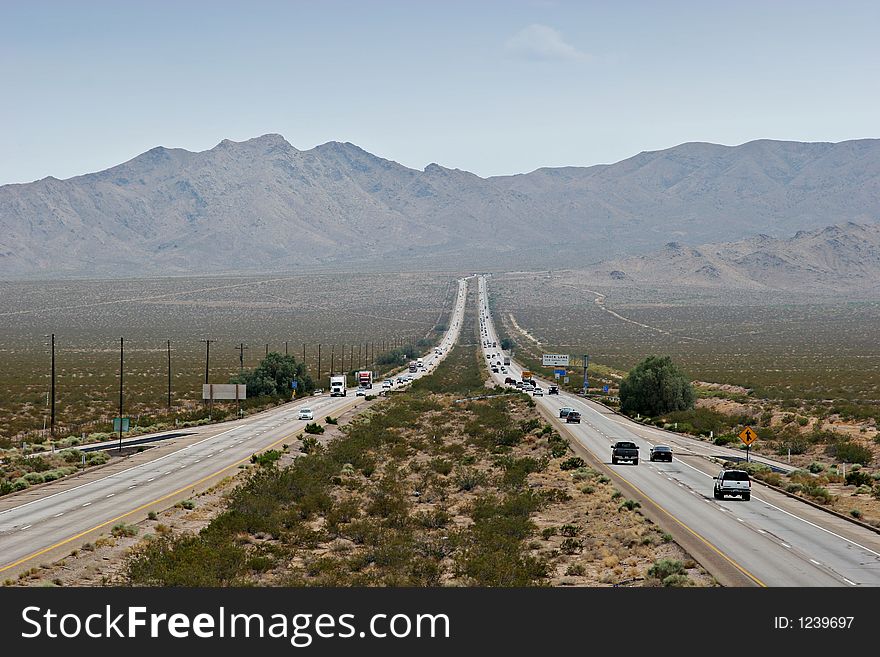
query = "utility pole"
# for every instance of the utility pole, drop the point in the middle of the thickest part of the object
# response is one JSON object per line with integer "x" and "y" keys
{"x": 267, "y": 350}
{"x": 360, "y": 361}
{"x": 121, "y": 373}
{"x": 342, "y": 358}
{"x": 207, "y": 357}
{"x": 304, "y": 355}
{"x": 351, "y": 358}
{"x": 169, "y": 374}
{"x": 332, "y": 359}
{"x": 285, "y": 348}
{"x": 319, "y": 361}
{"x": 373, "y": 354}
{"x": 586, "y": 383}
{"x": 241, "y": 349}
{"x": 52, "y": 386}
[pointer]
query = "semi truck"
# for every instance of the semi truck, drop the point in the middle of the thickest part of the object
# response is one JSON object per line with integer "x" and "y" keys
{"x": 413, "y": 366}
{"x": 507, "y": 360}
{"x": 337, "y": 386}
{"x": 365, "y": 379}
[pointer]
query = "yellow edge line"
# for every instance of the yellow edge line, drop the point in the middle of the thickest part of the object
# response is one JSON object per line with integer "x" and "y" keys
{"x": 699, "y": 536}
{"x": 143, "y": 506}
{"x": 647, "y": 497}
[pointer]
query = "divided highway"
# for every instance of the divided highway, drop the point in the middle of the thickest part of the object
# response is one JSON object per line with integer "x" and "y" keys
{"x": 772, "y": 540}
{"x": 59, "y": 518}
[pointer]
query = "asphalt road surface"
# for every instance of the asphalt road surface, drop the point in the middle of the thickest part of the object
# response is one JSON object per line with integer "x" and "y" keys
{"x": 771, "y": 540}
{"x": 61, "y": 517}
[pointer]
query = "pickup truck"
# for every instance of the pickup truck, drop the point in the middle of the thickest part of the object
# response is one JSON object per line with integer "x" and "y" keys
{"x": 624, "y": 451}
{"x": 733, "y": 482}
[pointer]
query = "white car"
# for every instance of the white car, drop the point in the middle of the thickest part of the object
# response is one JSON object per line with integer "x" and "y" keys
{"x": 387, "y": 383}
{"x": 360, "y": 392}
{"x": 318, "y": 391}
{"x": 306, "y": 414}
{"x": 537, "y": 392}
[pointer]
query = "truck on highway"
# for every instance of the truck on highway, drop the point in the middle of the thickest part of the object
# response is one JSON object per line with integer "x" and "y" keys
{"x": 624, "y": 450}
{"x": 507, "y": 360}
{"x": 413, "y": 366}
{"x": 337, "y": 386}
{"x": 733, "y": 482}
{"x": 526, "y": 376}
{"x": 365, "y": 379}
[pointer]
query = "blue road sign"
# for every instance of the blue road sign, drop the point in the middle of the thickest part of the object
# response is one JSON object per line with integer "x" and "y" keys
{"x": 604, "y": 388}
{"x": 293, "y": 384}
{"x": 559, "y": 373}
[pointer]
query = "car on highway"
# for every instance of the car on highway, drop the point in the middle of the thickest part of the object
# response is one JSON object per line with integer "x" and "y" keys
{"x": 537, "y": 392}
{"x": 733, "y": 482}
{"x": 553, "y": 390}
{"x": 510, "y": 381}
{"x": 565, "y": 410}
{"x": 573, "y": 417}
{"x": 318, "y": 391}
{"x": 399, "y": 380}
{"x": 624, "y": 450}
{"x": 306, "y": 414}
{"x": 360, "y": 392}
{"x": 660, "y": 453}
{"x": 387, "y": 383}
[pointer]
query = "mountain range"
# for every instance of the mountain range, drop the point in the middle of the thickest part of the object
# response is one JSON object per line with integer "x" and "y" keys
{"x": 263, "y": 205}
{"x": 843, "y": 259}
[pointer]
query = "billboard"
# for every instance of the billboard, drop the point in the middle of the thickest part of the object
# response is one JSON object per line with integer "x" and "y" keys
{"x": 555, "y": 360}
{"x": 223, "y": 391}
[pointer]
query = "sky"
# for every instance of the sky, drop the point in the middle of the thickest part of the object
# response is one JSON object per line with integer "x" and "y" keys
{"x": 491, "y": 87}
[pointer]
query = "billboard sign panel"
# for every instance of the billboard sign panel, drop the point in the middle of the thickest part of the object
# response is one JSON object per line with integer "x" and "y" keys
{"x": 555, "y": 360}
{"x": 224, "y": 391}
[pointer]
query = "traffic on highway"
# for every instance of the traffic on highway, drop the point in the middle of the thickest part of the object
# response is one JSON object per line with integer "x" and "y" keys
{"x": 46, "y": 522}
{"x": 742, "y": 532}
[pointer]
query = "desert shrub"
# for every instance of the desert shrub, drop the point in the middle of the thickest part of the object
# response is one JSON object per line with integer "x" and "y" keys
{"x": 575, "y": 570}
{"x": 186, "y": 504}
{"x": 572, "y": 463}
{"x": 855, "y": 513}
{"x": 629, "y": 505}
{"x": 819, "y": 493}
{"x": 663, "y": 568}
{"x": 122, "y": 530}
{"x": 858, "y": 478}
{"x": 266, "y": 459}
{"x": 656, "y": 386}
{"x": 152, "y": 515}
{"x": 571, "y": 546}
{"x": 441, "y": 466}
{"x": 466, "y": 479}
{"x": 815, "y": 467}
{"x": 314, "y": 428}
{"x": 725, "y": 440}
{"x": 309, "y": 444}
{"x": 331, "y": 420}
{"x": 676, "y": 581}
{"x": 849, "y": 452}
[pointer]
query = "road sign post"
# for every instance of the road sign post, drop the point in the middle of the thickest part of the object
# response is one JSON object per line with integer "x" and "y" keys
{"x": 748, "y": 436}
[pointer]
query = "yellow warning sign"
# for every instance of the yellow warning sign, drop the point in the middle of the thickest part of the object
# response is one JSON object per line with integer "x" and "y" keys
{"x": 748, "y": 436}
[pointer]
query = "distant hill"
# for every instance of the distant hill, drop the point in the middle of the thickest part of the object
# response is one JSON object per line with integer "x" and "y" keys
{"x": 263, "y": 205}
{"x": 844, "y": 259}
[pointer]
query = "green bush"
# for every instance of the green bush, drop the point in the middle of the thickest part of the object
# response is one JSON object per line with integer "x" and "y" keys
{"x": 629, "y": 505}
{"x": 849, "y": 452}
{"x": 266, "y": 459}
{"x": 663, "y": 568}
{"x": 572, "y": 463}
{"x": 123, "y": 530}
{"x": 469, "y": 478}
{"x": 186, "y": 504}
{"x": 654, "y": 387}
{"x": 309, "y": 445}
{"x": 314, "y": 428}
{"x": 441, "y": 466}
{"x": 858, "y": 478}
{"x": 331, "y": 420}
{"x": 816, "y": 467}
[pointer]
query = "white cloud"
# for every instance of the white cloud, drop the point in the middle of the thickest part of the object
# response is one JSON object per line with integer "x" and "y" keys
{"x": 544, "y": 43}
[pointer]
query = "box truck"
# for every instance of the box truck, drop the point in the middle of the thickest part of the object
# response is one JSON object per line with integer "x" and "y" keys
{"x": 337, "y": 386}
{"x": 365, "y": 379}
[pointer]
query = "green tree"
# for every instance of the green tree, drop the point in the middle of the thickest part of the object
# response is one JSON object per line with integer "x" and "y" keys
{"x": 656, "y": 386}
{"x": 273, "y": 376}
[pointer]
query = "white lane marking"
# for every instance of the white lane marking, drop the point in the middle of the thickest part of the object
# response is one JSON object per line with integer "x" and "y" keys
{"x": 788, "y": 513}
{"x": 87, "y": 504}
{"x": 740, "y": 520}
{"x": 25, "y": 527}
{"x": 851, "y": 583}
{"x": 761, "y": 531}
{"x": 149, "y": 480}
{"x": 166, "y": 473}
{"x": 132, "y": 486}
{"x": 58, "y": 515}
{"x": 786, "y": 545}
{"x": 198, "y": 460}
{"x": 815, "y": 562}
{"x": 111, "y": 494}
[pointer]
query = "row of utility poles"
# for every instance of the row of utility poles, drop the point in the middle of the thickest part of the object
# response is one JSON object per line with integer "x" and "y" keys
{"x": 366, "y": 357}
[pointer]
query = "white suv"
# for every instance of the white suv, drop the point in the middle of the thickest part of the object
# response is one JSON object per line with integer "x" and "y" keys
{"x": 733, "y": 482}
{"x": 306, "y": 414}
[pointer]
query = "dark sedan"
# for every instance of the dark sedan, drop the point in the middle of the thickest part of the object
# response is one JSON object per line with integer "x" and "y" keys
{"x": 660, "y": 453}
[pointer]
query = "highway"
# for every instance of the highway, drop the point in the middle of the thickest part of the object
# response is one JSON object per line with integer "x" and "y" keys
{"x": 38, "y": 525}
{"x": 772, "y": 540}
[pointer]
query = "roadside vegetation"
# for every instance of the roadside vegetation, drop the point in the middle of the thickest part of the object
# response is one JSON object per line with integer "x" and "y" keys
{"x": 425, "y": 491}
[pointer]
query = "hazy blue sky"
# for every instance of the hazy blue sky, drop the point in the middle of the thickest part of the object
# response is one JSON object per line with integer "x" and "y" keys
{"x": 492, "y": 87}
